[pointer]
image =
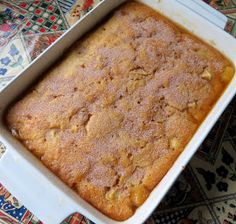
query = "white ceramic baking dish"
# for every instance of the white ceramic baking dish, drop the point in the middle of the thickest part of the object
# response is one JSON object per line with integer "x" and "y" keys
{"x": 41, "y": 191}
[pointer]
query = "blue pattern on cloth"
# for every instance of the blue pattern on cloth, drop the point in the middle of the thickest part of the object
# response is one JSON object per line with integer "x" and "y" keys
{"x": 66, "y": 5}
{"x": 10, "y": 209}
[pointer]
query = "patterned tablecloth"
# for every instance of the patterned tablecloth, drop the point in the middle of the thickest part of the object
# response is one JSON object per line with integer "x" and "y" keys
{"x": 205, "y": 193}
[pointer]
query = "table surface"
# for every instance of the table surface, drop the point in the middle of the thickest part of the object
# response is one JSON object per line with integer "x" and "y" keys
{"x": 205, "y": 193}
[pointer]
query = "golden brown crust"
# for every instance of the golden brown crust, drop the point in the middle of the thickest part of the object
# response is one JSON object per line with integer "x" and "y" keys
{"x": 112, "y": 117}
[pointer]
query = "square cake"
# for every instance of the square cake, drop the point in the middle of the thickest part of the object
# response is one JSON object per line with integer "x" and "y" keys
{"x": 112, "y": 116}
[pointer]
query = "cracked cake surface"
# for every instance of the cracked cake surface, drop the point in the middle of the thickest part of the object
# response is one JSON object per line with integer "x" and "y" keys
{"x": 111, "y": 117}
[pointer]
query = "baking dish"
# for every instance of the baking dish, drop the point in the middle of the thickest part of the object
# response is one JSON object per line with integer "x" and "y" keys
{"x": 19, "y": 168}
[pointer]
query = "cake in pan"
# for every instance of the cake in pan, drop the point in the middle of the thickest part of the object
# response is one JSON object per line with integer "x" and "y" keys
{"x": 112, "y": 116}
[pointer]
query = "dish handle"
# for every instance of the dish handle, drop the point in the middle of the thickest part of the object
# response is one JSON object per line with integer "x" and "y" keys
{"x": 45, "y": 201}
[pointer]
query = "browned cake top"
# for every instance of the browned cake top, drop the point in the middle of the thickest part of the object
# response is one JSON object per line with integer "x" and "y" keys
{"x": 112, "y": 116}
